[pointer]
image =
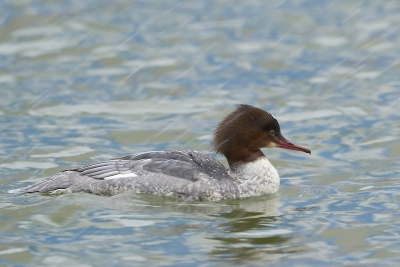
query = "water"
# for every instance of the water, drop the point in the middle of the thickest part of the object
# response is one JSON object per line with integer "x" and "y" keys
{"x": 85, "y": 81}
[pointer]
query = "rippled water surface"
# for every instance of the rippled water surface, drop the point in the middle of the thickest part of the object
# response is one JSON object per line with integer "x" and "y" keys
{"x": 85, "y": 81}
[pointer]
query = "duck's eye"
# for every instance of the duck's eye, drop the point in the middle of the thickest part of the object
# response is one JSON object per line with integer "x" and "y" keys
{"x": 272, "y": 132}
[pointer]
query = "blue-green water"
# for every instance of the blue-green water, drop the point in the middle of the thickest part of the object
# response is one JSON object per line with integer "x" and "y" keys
{"x": 85, "y": 81}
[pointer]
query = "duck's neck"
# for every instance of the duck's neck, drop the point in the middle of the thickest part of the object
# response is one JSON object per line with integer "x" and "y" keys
{"x": 239, "y": 157}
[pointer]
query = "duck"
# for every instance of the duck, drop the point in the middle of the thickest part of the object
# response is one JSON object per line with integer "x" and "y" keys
{"x": 188, "y": 174}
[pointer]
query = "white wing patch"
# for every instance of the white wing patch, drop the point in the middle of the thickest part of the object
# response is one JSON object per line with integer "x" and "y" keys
{"x": 123, "y": 175}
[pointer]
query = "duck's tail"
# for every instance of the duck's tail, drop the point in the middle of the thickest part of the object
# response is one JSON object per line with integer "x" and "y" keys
{"x": 58, "y": 181}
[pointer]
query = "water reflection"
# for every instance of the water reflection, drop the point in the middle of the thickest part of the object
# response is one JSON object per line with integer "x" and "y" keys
{"x": 249, "y": 238}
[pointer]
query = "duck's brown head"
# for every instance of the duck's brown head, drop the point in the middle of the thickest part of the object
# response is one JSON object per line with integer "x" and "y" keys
{"x": 241, "y": 134}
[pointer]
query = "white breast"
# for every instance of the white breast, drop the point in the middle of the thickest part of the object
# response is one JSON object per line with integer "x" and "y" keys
{"x": 257, "y": 178}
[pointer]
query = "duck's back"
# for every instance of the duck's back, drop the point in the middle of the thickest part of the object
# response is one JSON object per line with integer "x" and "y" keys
{"x": 188, "y": 174}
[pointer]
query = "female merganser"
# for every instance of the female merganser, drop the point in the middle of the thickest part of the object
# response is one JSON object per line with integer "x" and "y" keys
{"x": 188, "y": 174}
